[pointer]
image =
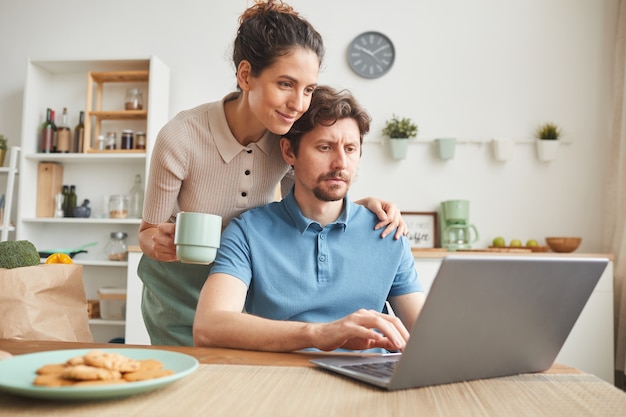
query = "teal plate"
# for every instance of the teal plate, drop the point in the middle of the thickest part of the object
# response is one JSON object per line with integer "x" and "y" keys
{"x": 18, "y": 372}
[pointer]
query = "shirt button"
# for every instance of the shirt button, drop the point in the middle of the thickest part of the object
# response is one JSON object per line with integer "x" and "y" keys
{"x": 322, "y": 258}
{"x": 244, "y": 194}
{"x": 322, "y": 236}
{"x": 247, "y": 172}
{"x": 249, "y": 151}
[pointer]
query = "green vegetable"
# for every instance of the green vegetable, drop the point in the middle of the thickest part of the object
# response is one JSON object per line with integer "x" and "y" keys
{"x": 18, "y": 253}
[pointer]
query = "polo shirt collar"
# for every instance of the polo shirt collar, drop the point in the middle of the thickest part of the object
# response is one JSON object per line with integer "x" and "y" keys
{"x": 227, "y": 145}
{"x": 302, "y": 223}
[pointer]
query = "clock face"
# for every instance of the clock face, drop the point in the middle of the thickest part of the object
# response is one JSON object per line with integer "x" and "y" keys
{"x": 371, "y": 54}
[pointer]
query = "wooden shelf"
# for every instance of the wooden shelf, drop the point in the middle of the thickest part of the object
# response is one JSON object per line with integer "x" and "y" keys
{"x": 94, "y": 113}
{"x": 119, "y": 76}
{"x": 119, "y": 115}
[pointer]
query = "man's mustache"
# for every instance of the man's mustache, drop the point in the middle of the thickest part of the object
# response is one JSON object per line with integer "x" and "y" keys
{"x": 334, "y": 175}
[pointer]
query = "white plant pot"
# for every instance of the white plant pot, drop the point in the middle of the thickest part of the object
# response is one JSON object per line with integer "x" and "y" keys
{"x": 547, "y": 150}
{"x": 446, "y": 147}
{"x": 503, "y": 149}
{"x": 399, "y": 147}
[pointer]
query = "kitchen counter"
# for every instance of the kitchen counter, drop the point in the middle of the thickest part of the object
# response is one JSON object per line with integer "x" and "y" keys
{"x": 590, "y": 344}
{"x": 441, "y": 253}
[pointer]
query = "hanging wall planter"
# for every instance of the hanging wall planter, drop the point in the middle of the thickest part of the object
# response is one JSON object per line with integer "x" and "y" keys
{"x": 400, "y": 132}
{"x": 3, "y": 149}
{"x": 548, "y": 141}
{"x": 446, "y": 147}
{"x": 399, "y": 147}
{"x": 547, "y": 150}
{"x": 503, "y": 149}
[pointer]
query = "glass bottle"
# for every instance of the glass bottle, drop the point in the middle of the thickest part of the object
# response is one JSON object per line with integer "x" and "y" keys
{"x": 64, "y": 134}
{"x": 71, "y": 204}
{"x": 79, "y": 133}
{"x": 48, "y": 130}
{"x": 135, "y": 197}
{"x": 66, "y": 200}
{"x": 117, "y": 250}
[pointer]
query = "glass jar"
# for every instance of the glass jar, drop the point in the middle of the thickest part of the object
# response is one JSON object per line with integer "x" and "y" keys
{"x": 101, "y": 142}
{"x": 111, "y": 140}
{"x": 116, "y": 249}
{"x": 134, "y": 99}
{"x": 127, "y": 139}
{"x": 118, "y": 206}
{"x": 140, "y": 140}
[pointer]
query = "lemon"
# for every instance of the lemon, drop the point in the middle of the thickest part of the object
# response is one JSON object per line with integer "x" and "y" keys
{"x": 59, "y": 258}
{"x": 498, "y": 242}
{"x": 516, "y": 243}
{"x": 532, "y": 243}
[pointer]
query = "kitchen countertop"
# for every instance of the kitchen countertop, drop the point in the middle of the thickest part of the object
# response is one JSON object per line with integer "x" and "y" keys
{"x": 441, "y": 253}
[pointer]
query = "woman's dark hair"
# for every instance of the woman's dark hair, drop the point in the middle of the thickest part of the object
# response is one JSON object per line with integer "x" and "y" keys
{"x": 271, "y": 29}
{"x": 327, "y": 106}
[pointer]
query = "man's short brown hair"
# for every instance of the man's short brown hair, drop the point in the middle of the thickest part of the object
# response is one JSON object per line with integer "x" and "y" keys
{"x": 327, "y": 106}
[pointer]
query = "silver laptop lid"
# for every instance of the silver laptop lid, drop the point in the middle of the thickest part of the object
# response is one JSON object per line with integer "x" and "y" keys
{"x": 489, "y": 316}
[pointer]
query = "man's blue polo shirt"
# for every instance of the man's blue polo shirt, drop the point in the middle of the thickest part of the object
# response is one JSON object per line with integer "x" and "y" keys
{"x": 297, "y": 270}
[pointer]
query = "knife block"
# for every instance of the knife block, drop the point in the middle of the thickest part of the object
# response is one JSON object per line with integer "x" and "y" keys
{"x": 49, "y": 184}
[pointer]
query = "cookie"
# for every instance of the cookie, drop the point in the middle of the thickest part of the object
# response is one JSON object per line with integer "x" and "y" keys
{"x": 52, "y": 380}
{"x": 76, "y": 360}
{"x": 147, "y": 374}
{"x": 86, "y": 372}
{"x": 111, "y": 361}
{"x": 53, "y": 368}
{"x": 149, "y": 364}
{"x": 98, "y": 382}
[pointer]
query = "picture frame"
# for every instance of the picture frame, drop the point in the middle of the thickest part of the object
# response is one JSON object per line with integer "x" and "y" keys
{"x": 423, "y": 229}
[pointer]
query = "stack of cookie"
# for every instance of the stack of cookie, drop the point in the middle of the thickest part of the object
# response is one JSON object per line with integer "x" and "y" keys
{"x": 98, "y": 368}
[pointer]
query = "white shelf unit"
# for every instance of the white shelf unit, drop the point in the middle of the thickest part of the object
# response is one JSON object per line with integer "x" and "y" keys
{"x": 10, "y": 172}
{"x": 63, "y": 83}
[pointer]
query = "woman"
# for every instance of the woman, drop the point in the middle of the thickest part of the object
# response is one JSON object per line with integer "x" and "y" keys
{"x": 224, "y": 158}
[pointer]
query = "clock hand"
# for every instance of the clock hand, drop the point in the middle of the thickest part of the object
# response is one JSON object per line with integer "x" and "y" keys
{"x": 367, "y": 51}
{"x": 380, "y": 49}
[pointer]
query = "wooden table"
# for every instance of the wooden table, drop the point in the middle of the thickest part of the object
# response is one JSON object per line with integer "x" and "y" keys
{"x": 286, "y": 384}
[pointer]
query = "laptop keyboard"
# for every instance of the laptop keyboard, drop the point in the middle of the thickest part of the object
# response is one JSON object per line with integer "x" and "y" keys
{"x": 377, "y": 369}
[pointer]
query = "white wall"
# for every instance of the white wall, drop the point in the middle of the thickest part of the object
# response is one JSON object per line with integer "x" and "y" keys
{"x": 471, "y": 69}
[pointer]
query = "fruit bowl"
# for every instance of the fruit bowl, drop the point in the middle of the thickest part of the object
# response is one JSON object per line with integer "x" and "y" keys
{"x": 563, "y": 244}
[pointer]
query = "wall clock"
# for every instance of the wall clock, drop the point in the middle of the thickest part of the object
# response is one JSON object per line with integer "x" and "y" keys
{"x": 371, "y": 54}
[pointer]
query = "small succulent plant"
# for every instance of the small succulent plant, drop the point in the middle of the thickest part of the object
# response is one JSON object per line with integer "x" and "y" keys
{"x": 3, "y": 142}
{"x": 548, "y": 131}
{"x": 400, "y": 128}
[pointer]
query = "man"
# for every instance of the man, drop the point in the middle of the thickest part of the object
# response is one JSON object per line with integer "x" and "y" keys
{"x": 307, "y": 271}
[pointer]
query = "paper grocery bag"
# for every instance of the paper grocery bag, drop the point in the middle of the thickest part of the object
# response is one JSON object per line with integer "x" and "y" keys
{"x": 44, "y": 302}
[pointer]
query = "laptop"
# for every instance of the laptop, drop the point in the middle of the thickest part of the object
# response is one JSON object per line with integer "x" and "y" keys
{"x": 485, "y": 316}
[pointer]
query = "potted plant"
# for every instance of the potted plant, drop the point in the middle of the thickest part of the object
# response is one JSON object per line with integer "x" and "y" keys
{"x": 3, "y": 149}
{"x": 400, "y": 131}
{"x": 547, "y": 141}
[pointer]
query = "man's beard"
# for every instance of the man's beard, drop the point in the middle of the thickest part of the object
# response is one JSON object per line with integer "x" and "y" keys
{"x": 333, "y": 193}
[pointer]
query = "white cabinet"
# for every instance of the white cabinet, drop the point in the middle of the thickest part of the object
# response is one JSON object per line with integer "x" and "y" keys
{"x": 136, "y": 332}
{"x": 58, "y": 84}
{"x": 7, "y": 202}
{"x": 589, "y": 347}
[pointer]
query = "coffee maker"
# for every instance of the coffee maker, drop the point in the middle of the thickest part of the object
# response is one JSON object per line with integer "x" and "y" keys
{"x": 456, "y": 230}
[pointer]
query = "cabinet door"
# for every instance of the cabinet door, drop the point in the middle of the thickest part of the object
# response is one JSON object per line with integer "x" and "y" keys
{"x": 136, "y": 333}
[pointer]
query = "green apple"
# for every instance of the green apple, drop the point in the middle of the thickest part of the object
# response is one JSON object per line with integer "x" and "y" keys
{"x": 532, "y": 243}
{"x": 498, "y": 242}
{"x": 516, "y": 243}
